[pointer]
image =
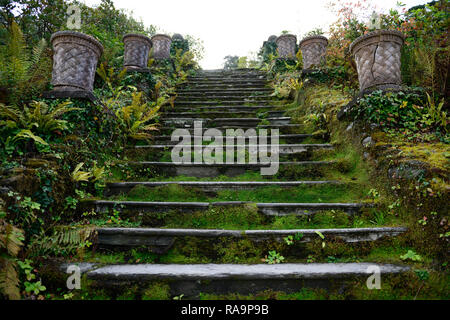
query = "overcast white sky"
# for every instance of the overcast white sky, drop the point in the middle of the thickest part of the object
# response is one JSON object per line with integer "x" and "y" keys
{"x": 236, "y": 27}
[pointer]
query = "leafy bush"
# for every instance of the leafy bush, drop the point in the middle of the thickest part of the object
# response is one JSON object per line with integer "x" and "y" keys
{"x": 396, "y": 110}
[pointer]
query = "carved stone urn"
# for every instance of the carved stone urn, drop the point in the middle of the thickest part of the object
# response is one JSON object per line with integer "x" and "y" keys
{"x": 161, "y": 46}
{"x": 377, "y": 56}
{"x": 75, "y": 60}
{"x": 286, "y": 46}
{"x": 314, "y": 51}
{"x": 137, "y": 49}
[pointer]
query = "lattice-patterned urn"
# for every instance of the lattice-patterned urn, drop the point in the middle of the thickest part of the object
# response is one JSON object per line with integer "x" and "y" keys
{"x": 161, "y": 46}
{"x": 75, "y": 60}
{"x": 137, "y": 48}
{"x": 314, "y": 51}
{"x": 287, "y": 45}
{"x": 377, "y": 55}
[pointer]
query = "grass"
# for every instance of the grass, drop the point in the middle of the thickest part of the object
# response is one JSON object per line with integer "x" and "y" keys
{"x": 301, "y": 194}
{"x": 247, "y": 217}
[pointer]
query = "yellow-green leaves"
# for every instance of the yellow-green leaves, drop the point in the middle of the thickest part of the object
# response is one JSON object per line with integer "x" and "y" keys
{"x": 78, "y": 175}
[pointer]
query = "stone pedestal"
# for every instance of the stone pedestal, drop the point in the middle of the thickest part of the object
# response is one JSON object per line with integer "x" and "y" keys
{"x": 377, "y": 56}
{"x": 74, "y": 62}
{"x": 286, "y": 46}
{"x": 137, "y": 48}
{"x": 314, "y": 51}
{"x": 161, "y": 46}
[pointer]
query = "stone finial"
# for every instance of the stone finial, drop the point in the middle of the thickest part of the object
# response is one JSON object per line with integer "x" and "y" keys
{"x": 161, "y": 46}
{"x": 75, "y": 61}
{"x": 287, "y": 44}
{"x": 137, "y": 48}
{"x": 377, "y": 56}
{"x": 314, "y": 51}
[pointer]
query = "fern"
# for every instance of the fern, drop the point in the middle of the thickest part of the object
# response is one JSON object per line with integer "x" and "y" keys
{"x": 23, "y": 72}
{"x": 11, "y": 244}
{"x": 36, "y": 117}
{"x": 63, "y": 240}
{"x": 78, "y": 175}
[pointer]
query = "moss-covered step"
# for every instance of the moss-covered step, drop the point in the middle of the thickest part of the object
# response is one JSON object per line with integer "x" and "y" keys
{"x": 268, "y": 209}
{"x": 222, "y": 97}
{"x": 283, "y": 129}
{"x": 201, "y": 170}
{"x": 162, "y": 239}
{"x": 209, "y": 114}
{"x": 211, "y": 187}
{"x": 252, "y": 148}
{"x": 219, "y": 108}
{"x": 191, "y": 280}
{"x": 288, "y": 138}
{"x": 225, "y": 90}
{"x": 236, "y": 81}
{"x": 205, "y": 102}
{"x": 219, "y": 94}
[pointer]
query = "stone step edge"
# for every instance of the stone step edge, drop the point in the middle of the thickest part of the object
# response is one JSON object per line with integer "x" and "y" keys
{"x": 307, "y": 146}
{"x": 249, "y": 165}
{"x": 229, "y": 119}
{"x": 205, "y": 205}
{"x": 348, "y": 234}
{"x": 280, "y": 136}
{"x": 196, "y": 272}
{"x": 217, "y": 184}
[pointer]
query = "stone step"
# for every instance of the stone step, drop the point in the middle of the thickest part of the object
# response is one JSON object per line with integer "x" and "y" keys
{"x": 224, "y": 103}
{"x": 223, "y": 86}
{"x": 236, "y": 81}
{"x": 289, "y": 138}
{"x": 219, "y": 122}
{"x": 210, "y": 114}
{"x": 219, "y": 108}
{"x": 241, "y": 97}
{"x": 250, "y": 148}
{"x": 190, "y": 280}
{"x": 248, "y": 90}
{"x": 200, "y": 170}
{"x": 211, "y": 187}
{"x": 287, "y": 128}
{"x": 221, "y": 114}
{"x": 162, "y": 239}
{"x": 268, "y": 209}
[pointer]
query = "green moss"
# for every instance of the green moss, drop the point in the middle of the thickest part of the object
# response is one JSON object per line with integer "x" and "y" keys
{"x": 157, "y": 291}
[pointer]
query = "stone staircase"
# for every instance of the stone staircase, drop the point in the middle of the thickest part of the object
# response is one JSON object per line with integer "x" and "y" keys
{"x": 222, "y": 100}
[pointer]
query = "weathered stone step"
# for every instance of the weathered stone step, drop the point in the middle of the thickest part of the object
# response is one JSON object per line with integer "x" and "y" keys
{"x": 192, "y": 279}
{"x": 219, "y": 108}
{"x": 241, "y": 97}
{"x": 162, "y": 239}
{"x": 269, "y": 209}
{"x": 289, "y": 138}
{"x": 230, "y": 91}
{"x": 251, "y": 148}
{"x": 211, "y": 187}
{"x": 234, "y": 81}
{"x": 221, "y": 114}
{"x": 219, "y": 122}
{"x": 287, "y": 128}
{"x": 222, "y": 86}
{"x": 200, "y": 170}
{"x": 225, "y": 103}
{"x": 210, "y": 114}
